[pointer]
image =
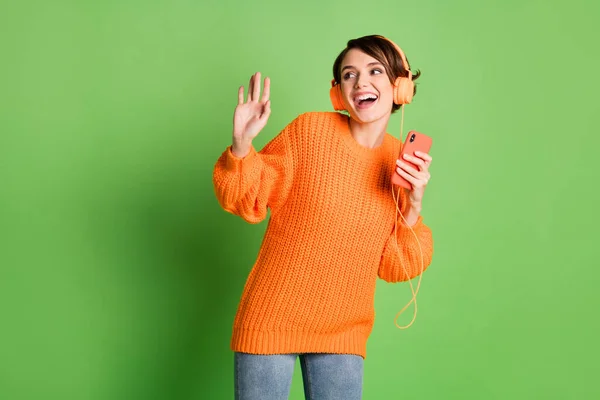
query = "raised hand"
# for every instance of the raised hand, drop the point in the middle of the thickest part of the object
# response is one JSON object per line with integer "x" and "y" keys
{"x": 251, "y": 116}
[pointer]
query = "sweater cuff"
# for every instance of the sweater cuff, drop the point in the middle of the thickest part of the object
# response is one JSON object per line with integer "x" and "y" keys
{"x": 416, "y": 227}
{"x": 235, "y": 163}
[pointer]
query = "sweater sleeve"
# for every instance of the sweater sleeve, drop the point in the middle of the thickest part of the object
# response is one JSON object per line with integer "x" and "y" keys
{"x": 403, "y": 256}
{"x": 248, "y": 186}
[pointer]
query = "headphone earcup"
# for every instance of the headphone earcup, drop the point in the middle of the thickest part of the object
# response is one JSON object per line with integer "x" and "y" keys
{"x": 335, "y": 94}
{"x": 403, "y": 90}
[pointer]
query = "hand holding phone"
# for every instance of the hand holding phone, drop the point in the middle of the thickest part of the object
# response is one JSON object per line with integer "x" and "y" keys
{"x": 415, "y": 141}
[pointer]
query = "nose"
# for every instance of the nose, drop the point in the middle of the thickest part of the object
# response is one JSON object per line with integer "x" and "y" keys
{"x": 361, "y": 81}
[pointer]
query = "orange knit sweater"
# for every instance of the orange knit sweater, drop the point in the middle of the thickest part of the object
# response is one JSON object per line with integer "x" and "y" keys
{"x": 329, "y": 236}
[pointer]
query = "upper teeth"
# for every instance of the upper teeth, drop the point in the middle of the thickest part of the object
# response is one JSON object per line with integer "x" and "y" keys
{"x": 367, "y": 96}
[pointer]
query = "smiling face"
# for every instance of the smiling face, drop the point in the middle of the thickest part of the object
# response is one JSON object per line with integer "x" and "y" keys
{"x": 366, "y": 87}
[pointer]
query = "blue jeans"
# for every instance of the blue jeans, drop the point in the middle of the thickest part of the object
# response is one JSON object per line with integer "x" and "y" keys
{"x": 325, "y": 376}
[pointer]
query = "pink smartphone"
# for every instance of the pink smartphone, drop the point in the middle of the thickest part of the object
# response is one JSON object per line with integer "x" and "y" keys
{"x": 415, "y": 141}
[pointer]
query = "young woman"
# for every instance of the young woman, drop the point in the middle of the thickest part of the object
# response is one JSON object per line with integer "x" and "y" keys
{"x": 333, "y": 227}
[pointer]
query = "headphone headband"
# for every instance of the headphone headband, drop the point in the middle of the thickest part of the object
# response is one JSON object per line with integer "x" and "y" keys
{"x": 402, "y": 56}
{"x": 400, "y": 52}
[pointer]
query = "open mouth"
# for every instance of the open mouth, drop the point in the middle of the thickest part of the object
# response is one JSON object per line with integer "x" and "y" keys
{"x": 365, "y": 100}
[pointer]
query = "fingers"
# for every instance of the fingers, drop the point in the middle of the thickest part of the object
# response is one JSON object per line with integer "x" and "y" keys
{"x": 424, "y": 156}
{"x": 256, "y": 87}
{"x": 407, "y": 176}
{"x": 419, "y": 178}
{"x": 408, "y": 168}
{"x": 266, "y": 110}
{"x": 416, "y": 181}
{"x": 241, "y": 95}
{"x": 251, "y": 87}
{"x": 267, "y": 90}
{"x": 422, "y": 161}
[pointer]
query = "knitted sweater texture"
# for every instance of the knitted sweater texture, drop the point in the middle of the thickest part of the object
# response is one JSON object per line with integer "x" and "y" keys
{"x": 329, "y": 236}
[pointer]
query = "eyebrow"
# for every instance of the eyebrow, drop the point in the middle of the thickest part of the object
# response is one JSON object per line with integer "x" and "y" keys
{"x": 369, "y": 64}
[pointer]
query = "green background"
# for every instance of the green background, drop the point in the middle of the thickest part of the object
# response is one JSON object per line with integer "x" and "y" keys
{"x": 120, "y": 275}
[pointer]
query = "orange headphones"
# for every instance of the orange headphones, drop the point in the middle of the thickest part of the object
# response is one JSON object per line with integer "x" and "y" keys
{"x": 403, "y": 86}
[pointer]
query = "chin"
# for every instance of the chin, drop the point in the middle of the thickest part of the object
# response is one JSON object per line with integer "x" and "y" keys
{"x": 367, "y": 116}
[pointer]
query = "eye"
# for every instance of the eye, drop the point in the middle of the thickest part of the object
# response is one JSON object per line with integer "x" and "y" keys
{"x": 348, "y": 75}
{"x": 377, "y": 71}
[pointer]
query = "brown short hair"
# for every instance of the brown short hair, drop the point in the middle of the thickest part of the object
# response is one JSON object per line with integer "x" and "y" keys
{"x": 383, "y": 51}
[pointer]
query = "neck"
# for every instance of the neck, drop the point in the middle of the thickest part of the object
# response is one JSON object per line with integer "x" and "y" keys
{"x": 369, "y": 134}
